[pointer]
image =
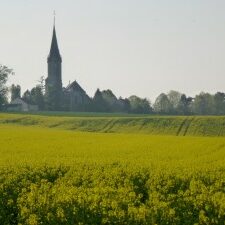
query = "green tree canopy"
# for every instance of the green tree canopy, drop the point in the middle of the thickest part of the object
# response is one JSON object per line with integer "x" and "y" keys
{"x": 163, "y": 105}
{"x": 203, "y": 104}
{"x": 139, "y": 105}
{"x": 174, "y": 98}
{"x": 184, "y": 105}
{"x": 219, "y": 103}
{"x": 4, "y": 74}
{"x": 99, "y": 103}
{"x": 35, "y": 97}
{"x": 15, "y": 92}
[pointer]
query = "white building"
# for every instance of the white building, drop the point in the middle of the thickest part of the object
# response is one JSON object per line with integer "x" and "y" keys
{"x": 20, "y": 105}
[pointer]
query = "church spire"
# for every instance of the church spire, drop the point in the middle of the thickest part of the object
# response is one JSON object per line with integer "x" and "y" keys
{"x": 54, "y": 53}
{"x": 53, "y": 83}
{"x": 54, "y": 17}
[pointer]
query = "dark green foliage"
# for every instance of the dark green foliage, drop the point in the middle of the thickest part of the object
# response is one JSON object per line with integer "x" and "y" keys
{"x": 174, "y": 98}
{"x": 53, "y": 99}
{"x": 163, "y": 105}
{"x": 35, "y": 97}
{"x": 27, "y": 96}
{"x": 125, "y": 105}
{"x": 184, "y": 105}
{"x": 112, "y": 102}
{"x": 106, "y": 101}
{"x": 99, "y": 103}
{"x": 139, "y": 105}
{"x": 219, "y": 103}
{"x": 175, "y": 103}
{"x": 15, "y": 92}
{"x": 38, "y": 97}
{"x": 203, "y": 104}
{"x": 4, "y": 74}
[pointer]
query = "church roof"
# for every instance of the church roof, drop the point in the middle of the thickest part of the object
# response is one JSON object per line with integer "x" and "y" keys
{"x": 75, "y": 86}
{"x": 54, "y": 50}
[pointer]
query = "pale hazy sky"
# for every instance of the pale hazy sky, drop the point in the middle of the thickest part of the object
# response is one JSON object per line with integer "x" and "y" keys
{"x": 141, "y": 47}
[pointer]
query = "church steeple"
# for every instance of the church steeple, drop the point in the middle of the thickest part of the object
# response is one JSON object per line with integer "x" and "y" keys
{"x": 54, "y": 54}
{"x": 53, "y": 83}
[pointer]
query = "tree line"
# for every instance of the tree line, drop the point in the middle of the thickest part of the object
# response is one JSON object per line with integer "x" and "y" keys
{"x": 103, "y": 101}
{"x": 172, "y": 103}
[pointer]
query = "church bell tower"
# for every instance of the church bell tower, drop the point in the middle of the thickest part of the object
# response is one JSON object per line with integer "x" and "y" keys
{"x": 53, "y": 83}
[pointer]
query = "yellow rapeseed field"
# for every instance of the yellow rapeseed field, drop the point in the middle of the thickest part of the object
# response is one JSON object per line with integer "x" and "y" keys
{"x": 34, "y": 145}
{"x": 58, "y": 176}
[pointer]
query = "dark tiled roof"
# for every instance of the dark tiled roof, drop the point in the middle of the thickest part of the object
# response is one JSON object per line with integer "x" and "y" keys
{"x": 75, "y": 86}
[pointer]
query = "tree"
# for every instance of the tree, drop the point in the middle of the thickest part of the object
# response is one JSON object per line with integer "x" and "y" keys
{"x": 4, "y": 74}
{"x": 41, "y": 84}
{"x": 163, "y": 105}
{"x": 114, "y": 105}
{"x": 174, "y": 98}
{"x": 27, "y": 96}
{"x": 99, "y": 104}
{"x": 35, "y": 97}
{"x": 53, "y": 98}
{"x": 203, "y": 104}
{"x": 15, "y": 92}
{"x": 124, "y": 105}
{"x": 139, "y": 105}
{"x": 184, "y": 105}
{"x": 219, "y": 103}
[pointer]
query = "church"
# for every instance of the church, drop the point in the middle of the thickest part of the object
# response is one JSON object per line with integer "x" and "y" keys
{"x": 70, "y": 98}
{"x": 50, "y": 95}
